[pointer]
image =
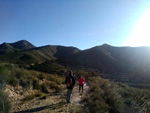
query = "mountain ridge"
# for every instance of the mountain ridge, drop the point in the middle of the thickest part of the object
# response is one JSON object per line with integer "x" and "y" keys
{"x": 31, "y": 54}
{"x": 26, "y": 43}
{"x": 5, "y": 46}
{"x": 111, "y": 62}
{"x": 105, "y": 58}
{"x": 20, "y": 45}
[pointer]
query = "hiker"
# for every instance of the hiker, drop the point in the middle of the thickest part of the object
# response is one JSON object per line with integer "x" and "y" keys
{"x": 70, "y": 82}
{"x": 81, "y": 83}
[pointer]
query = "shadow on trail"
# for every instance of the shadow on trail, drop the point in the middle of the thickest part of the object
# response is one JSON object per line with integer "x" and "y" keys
{"x": 53, "y": 106}
{"x": 35, "y": 109}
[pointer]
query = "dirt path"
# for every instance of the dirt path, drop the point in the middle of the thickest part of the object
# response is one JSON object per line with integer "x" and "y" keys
{"x": 52, "y": 104}
{"x": 63, "y": 107}
{"x": 76, "y": 96}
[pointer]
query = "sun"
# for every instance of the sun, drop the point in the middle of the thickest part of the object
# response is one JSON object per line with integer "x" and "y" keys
{"x": 140, "y": 35}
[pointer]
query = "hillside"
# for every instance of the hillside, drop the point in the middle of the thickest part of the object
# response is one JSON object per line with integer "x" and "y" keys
{"x": 6, "y": 48}
{"x": 41, "y": 88}
{"x": 96, "y": 57}
{"x": 10, "y": 48}
{"x": 133, "y": 57}
{"x": 125, "y": 64}
{"x": 109, "y": 59}
{"x": 21, "y": 45}
{"x": 25, "y": 53}
{"x": 32, "y": 91}
{"x": 105, "y": 58}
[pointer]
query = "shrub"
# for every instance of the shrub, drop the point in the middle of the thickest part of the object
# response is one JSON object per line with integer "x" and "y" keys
{"x": 28, "y": 98}
{"x": 41, "y": 76}
{"x": 43, "y": 88}
{"x": 99, "y": 107}
{"x": 24, "y": 83}
{"x": 4, "y": 103}
{"x": 13, "y": 81}
{"x": 105, "y": 97}
{"x": 4, "y": 75}
{"x": 44, "y": 97}
{"x": 38, "y": 94}
{"x": 55, "y": 78}
{"x": 82, "y": 72}
{"x": 54, "y": 86}
{"x": 77, "y": 110}
{"x": 35, "y": 84}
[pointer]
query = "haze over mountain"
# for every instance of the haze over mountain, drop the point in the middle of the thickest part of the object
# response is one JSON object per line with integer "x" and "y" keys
{"x": 110, "y": 59}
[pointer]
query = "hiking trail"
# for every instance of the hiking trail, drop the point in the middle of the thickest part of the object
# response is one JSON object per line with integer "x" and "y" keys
{"x": 52, "y": 104}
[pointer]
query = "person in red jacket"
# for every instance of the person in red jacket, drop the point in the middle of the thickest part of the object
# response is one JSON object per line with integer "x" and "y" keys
{"x": 81, "y": 83}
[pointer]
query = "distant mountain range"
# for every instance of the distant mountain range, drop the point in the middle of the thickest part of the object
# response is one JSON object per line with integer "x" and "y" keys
{"x": 110, "y": 59}
{"x": 25, "y": 53}
{"x": 105, "y": 58}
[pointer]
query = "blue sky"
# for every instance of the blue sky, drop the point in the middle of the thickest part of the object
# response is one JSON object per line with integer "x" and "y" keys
{"x": 79, "y": 23}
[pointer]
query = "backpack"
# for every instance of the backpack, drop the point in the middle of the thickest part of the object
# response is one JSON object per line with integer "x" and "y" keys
{"x": 69, "y": 82}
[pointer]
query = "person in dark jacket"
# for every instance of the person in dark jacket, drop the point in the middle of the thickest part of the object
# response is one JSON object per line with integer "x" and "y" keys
{"x": 70, "y": 82}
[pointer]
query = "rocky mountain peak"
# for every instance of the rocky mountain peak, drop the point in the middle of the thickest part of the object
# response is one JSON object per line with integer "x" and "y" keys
{"x": 22, "y": 44}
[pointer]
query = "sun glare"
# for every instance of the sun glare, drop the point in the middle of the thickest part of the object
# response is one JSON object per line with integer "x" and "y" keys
{"x": 140, "y": 35}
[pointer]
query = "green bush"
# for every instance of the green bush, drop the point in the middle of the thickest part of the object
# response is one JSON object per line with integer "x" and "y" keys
{"x": 43, "y": 88}
{"x": 24, "y": 83}
{"x": 35, "y": 84}
{"x": 40, "y": 76}
{"x": 77, "y": 110}
{"x": 55, "y": 78}
{"x": 82, "y": 72}
{"x": 54, "y": 86}
{"x": 28, "y": 98}
{"x": 99, "y": 107}
{"x": 38, "y": 94}
{"x": 105, "y": 97}
{"x": 13, "y": 81}
{"x": 44, "y": 97}
{"x": 4, "y": 74}
{"x": 4, "y": 103}
{"x": 13, "y": 75}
